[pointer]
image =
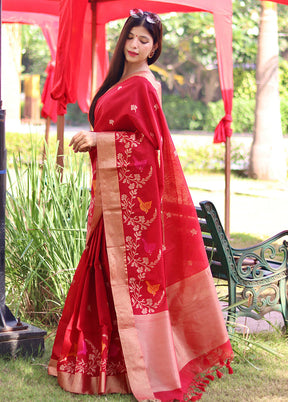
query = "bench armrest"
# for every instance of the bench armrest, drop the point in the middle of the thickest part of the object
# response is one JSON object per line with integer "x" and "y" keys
{"x": 263, "y": 259}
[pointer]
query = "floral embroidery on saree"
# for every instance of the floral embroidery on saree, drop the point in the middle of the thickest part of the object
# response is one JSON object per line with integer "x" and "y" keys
{"x": 91, "y": 361}
{"x": 142, "y": 255}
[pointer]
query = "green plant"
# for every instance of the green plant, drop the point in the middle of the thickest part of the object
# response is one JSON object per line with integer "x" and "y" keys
{"x": 45, "y": 233}
{"x": 20, "y": 145}
{"x": 210, "y": 157}
{"x": 244, "y": 83}
{"x": 284, "y": 114}
{"x": 183, "y": 113}
{"x": 75, "y": 116}
{"x": 242, "y": 114}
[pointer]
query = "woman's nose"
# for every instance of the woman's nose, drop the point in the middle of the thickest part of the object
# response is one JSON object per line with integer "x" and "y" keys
{"x": 134, "y": 42}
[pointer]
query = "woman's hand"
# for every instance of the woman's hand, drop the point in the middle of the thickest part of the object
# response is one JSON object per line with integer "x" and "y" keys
{"x": 83, "y": 141}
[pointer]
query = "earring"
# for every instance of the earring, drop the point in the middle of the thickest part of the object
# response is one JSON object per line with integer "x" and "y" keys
{"x": 151, "y": 55}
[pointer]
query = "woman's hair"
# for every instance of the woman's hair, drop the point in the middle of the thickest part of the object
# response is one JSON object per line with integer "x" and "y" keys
{"x": 116, "y": 67}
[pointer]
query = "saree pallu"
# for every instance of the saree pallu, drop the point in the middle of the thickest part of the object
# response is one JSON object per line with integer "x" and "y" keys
{"x": 142, "y": 314}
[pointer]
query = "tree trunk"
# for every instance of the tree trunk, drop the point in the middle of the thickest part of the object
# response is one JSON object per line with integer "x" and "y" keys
{"x": 267, "y": 157}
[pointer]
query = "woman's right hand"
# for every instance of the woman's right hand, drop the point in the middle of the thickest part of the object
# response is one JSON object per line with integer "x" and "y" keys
{"x": 83, "y": 141}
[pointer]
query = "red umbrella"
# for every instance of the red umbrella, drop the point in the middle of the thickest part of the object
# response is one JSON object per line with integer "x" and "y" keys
{"x": 82, "y": 34}
{"x": 73, "y": 73}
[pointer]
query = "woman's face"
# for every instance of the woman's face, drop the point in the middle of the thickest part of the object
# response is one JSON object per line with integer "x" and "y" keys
{"x": 138, "y": 46}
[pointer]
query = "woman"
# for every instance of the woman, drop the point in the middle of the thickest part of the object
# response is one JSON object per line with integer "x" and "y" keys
{"x": 142, "y": 314}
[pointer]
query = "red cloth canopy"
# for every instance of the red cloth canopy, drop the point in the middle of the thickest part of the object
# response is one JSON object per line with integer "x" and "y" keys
{"x": 74, "y": 53}
{"x": 72, "y": 80}
{"x": 50, "y": 7}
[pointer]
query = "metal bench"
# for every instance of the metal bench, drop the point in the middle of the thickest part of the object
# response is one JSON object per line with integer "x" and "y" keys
{"x": 256, "y": 276}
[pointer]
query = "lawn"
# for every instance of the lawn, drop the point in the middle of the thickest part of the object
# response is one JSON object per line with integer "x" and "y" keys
{"x": 263, "y": 377}
{"x": 259, "y": 375}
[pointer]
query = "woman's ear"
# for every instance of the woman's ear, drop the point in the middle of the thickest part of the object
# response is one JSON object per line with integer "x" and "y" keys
{"x": 155, "y": 47}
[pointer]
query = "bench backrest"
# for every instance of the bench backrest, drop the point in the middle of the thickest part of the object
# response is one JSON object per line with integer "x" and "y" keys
{"x": 217, "y": 246}
{"x": 243, "y": 266}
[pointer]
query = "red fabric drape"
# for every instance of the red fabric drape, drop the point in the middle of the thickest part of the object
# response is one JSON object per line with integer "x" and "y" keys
{"x": 72, "y": 80}
{"x": 75, "y": 37}
{"x": 225, "y": 67}
{"x": 49, "y": 108}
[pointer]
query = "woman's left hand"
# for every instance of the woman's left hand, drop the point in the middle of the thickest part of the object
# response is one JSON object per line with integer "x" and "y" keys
{"x": 83, "y": 141}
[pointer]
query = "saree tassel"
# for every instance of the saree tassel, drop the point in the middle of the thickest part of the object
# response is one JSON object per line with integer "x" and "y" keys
{"x": 205, "y": 381}
{"x": 219, "y": 374}
{"x": 201, "y": 387}
{"x": 210, "y": 377}
{"x": 230, "y": 369}
{"x": 196, "y": 397}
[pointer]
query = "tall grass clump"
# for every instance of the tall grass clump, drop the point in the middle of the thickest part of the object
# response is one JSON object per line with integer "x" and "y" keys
{"x": 45, "y": 233}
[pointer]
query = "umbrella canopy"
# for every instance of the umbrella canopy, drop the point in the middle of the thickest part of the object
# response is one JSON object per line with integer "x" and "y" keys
{"x": 73, "y": 74}
{"x": 82, "y": 39}
{"x": 78, "y": 17}
{"x": 31, "y": 6}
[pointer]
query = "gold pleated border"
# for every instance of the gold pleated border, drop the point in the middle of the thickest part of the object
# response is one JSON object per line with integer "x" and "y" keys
{"x": 115, "y": 240}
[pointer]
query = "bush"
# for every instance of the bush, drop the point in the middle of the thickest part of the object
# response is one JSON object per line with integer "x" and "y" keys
{"x": 75, "y": 116}
{"x": 244, "y": 83}
{"x": 284, "y": 114}
{"x": 186, "y": 114}
{"x": 211, "y": 157}
{"x": 242, "y": 114}
{"x": 183, "y": 113}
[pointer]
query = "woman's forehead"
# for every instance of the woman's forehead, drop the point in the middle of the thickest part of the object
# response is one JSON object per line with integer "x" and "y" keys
{"x": 141, "y": 31}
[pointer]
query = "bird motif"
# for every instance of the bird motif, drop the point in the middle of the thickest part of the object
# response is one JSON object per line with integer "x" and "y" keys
{"x": 140, "y": 164}
{"x": 144, "y": 206}
{"x": 153, "y": 289}
{"x": 148, "y": 247}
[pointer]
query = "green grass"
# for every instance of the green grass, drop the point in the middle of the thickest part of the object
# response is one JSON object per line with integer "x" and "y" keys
{"x": 243, "y": 240}
{"x": 19, "y": 144}
{"x": 26, "y": 379}
{"x": 267, "y": 381}
{"x": 43, "y": 216}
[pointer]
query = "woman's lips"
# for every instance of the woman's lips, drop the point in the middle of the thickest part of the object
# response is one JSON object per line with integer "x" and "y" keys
{"x": 132, "y": 53}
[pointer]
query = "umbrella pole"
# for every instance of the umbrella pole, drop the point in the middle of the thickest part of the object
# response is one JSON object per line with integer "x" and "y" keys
{"x": 47, "y": 131}
{"x": 60, "y": 139}
{"x": 227, "y": 185}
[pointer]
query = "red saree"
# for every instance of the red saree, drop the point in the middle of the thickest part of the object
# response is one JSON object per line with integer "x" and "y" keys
{"x": 142, "y": 314}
